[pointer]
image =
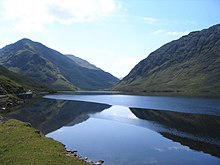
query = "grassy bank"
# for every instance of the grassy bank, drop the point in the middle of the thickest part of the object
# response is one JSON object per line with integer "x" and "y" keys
{"x": 22, "y": 144}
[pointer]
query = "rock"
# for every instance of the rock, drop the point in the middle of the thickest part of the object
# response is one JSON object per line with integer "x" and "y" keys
{"x": 100, "y": 162}
{"x": 28, "y": 125}
{"x": 71, "y": 153}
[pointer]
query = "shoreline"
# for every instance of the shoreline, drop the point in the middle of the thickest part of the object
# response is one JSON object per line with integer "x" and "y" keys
{"x": 12, "y": 125}
{"x": 8, "y": 104}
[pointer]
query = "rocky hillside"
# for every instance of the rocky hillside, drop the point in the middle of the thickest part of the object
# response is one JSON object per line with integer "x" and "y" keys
{"x": 190, "y": 64}
{"x": 50, "y": 67}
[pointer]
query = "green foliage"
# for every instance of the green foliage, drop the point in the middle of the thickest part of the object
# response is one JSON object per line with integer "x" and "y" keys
{"x": 190, "y": 64}
{"x": 22, "y": 144}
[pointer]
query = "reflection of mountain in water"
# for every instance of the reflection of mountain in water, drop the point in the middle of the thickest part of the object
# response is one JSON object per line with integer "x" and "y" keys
{"x": 49, "y": 115}
{"x": 199, "y": 132}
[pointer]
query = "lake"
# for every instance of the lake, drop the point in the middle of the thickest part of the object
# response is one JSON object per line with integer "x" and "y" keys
{"x": 127, "y": 129}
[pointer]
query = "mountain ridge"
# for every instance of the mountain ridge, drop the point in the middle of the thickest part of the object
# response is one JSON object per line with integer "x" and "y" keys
{"x": 82, "y": 62}
{"x": 190, "y": 64}
{"x": 48, "y": 66}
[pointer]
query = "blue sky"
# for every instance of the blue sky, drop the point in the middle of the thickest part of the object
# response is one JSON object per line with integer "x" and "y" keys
{"x": 112, "y": 34}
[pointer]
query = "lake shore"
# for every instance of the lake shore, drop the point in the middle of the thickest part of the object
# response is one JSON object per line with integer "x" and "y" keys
{"x": 20, "y": 143}
{"x": 95, "y": 126}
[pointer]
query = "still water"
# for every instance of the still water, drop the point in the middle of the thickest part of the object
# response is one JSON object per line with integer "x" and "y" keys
{"x": 135, "y": 130}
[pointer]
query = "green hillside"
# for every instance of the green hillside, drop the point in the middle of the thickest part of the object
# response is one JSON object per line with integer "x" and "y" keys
{"x": 12, "y": 83}
{"x": 190, "y": 64}
{"x": 50, "y": 67}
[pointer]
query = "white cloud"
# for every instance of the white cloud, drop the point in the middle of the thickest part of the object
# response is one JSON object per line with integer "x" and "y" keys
{"x": 171, "y": 33}
{"x": 176, "y": 33}
{"x": 149, "y": 20}
{"x": 32, "y": 15}
{"x": 158, "y": 31}
{"x": 122, "y": 67}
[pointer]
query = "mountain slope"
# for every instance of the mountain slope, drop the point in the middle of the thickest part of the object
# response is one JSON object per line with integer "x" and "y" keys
{"x": 12, "y": 83}
{"x": 190, "y": 64}
{"x": 82, "y": 62}
{"x": 50, "y": 67}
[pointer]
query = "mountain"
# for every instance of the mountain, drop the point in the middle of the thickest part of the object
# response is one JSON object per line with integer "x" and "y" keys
{"x": 50, "y": 67}
{"x": 12, "y": 83}
{"x": 190, "y": 64}
{"x": 82, "y": 62}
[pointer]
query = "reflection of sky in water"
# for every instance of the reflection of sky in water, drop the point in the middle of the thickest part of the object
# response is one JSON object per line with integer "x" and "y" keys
{"x": 116, "y": 111}
{"x": 118, "y": 137}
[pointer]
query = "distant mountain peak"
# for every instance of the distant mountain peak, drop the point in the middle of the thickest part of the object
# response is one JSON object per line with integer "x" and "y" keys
{"x": 25, "y": 40}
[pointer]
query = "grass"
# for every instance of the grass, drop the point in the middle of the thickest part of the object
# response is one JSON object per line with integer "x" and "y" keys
{"x": 22, "y": 144}
{"x": 9, "y": 85}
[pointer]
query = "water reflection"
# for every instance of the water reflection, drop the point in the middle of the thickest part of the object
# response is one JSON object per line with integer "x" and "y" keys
{"x": 118, "y": 136}
{"x": 209, "y": 106}
{"x": 49, "y": 115}
{"x": 122, "y": 135}
{"x": 199, "y": 132}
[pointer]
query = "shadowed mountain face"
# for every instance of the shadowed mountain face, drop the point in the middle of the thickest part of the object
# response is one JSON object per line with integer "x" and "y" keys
{"x": 48, "y": 66}
{"x": 190, "y": 64}
{"x": 12, "y": 83}
{"x": 49, "y": 115}
{"x": 199, "y": 132}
